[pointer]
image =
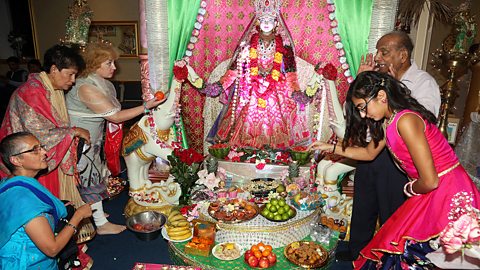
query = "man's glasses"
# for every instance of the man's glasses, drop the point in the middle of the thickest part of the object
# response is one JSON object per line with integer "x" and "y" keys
{"x": 363, "y": 109}
{"x": 36, "y": 149}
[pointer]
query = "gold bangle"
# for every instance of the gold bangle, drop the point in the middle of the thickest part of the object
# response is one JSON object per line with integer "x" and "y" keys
{"x": 73, "y": 227}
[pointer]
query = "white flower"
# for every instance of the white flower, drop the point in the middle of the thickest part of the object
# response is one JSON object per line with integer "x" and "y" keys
{"x": 208, "y": 179}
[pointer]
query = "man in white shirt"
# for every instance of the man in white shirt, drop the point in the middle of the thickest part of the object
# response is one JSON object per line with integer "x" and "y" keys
{"x": 378, "y": 188}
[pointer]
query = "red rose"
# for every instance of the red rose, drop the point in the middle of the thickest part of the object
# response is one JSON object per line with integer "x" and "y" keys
{"x": 329, "y": 72}
{"x": 180, "y": 73}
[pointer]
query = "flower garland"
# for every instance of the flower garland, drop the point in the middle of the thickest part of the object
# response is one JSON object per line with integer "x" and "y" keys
{"x": 274, "y": 75}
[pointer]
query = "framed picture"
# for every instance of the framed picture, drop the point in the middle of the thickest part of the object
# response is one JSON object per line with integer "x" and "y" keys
{"x": 452, "y": 129}
{"x": 122, "y": 34}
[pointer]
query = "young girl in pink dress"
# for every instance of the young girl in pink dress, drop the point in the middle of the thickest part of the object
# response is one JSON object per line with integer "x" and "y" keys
{"x": 394, "y": 119}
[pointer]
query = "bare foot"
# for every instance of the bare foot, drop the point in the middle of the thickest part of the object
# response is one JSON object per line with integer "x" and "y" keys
{"x": 110, "y": 228}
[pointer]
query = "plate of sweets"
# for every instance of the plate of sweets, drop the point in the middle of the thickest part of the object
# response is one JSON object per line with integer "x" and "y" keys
{"x": 261, "y": 187}
{"x": 227, "y": 251}
{"x": 306, "y": 254}
{"x": 233, "y": 211}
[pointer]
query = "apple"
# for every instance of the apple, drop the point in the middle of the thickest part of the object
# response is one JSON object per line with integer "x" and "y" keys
{"x": 272, "y": 258}
{"x": 264, "y": 263}
{"x": 252, "y": 261}
{"x": 248, "y": 254}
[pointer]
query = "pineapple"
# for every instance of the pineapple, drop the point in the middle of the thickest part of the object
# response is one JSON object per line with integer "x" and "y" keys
{"x": 293, "y": 170}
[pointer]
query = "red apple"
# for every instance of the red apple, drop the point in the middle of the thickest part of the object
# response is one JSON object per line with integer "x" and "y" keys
{"x": 272, "y": 258}
{"x": 252, "y": 261}
{"x": 264, "y": 263}
{"x": 248, "y": 254}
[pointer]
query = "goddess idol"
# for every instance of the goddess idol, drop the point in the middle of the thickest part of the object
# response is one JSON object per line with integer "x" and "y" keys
{"x": 256, "y": 90}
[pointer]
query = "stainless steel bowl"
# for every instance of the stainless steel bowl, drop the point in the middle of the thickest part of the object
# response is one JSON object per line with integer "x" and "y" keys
{"x": 146, "y": 225}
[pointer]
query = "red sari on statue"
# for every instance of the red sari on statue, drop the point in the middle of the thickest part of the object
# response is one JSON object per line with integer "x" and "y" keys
{"x": 30, "y": 109}
{"x": 422, "y": 217}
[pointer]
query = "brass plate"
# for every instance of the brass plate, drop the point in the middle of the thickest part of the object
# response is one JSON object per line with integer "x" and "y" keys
{"x": 234, "y": 219}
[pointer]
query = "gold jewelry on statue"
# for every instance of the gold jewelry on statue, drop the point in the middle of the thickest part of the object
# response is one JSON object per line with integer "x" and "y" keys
{"x": 163, "y": 135}
{"x": 142, "y": 155}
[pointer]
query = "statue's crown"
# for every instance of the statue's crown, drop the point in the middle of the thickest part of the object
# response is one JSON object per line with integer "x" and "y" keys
{"x": 267, "y": 8}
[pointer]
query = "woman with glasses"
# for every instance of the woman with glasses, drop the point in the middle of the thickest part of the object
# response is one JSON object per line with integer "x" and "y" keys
{"x": 29, "y": 211}
{"x": 90, "y": 102}
{"x": 396, "y": 120}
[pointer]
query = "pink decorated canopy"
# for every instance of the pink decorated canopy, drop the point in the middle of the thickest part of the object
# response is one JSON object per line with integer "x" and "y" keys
{"x": 311, "y": 23}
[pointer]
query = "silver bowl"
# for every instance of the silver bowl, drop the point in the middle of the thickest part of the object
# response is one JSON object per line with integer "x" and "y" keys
{"x": 146, "y": 225}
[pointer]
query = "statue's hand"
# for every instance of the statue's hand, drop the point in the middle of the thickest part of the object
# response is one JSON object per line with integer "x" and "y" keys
{"x": 338, "y": 128}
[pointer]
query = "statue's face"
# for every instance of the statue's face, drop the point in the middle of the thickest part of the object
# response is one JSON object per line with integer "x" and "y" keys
{"x": 267, "y": 24}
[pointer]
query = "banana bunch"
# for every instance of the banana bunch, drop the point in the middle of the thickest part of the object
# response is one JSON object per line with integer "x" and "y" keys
{"x": 178, "y": 228}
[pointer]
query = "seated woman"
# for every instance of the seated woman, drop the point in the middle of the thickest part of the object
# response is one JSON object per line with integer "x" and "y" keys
{"x": 408, "y": 129}
{"x": 29, "y": 211}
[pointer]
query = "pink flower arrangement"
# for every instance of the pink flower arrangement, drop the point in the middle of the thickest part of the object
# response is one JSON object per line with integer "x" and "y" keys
{"x": 463, "y": 230}
{"x": 211, "y": 180}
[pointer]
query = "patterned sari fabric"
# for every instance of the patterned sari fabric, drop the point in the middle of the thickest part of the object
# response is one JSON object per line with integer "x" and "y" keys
{"x": 30, "y": 109}
{"x": 403, "y": 239}
{"x": 19, "y": 206}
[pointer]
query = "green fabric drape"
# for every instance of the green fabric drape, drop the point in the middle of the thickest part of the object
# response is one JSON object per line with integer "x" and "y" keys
{"x": 354, "y": 20}
{"x": 182, "y": 15}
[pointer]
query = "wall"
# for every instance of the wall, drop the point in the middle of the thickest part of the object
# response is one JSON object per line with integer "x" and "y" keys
{"x": 50, "y": 17}
{"x": 5, "y": 27}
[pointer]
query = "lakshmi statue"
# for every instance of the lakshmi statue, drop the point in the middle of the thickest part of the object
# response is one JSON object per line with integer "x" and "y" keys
{"x": 256, "y": 91}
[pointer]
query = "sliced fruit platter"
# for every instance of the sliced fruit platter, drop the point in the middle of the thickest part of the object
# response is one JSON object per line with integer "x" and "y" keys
{"x": 233, "y": 211}
{"x": 306, "y": 254}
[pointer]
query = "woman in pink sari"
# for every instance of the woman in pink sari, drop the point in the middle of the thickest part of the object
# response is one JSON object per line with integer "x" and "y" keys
{"x": 398, "y": 121}
{"x": 38, "y": 106}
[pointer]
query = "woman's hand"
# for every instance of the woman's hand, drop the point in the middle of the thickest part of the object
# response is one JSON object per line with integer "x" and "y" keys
{"x": 152, "y": 103}
{"x": 84, "y": 211}
{"x": 82, "y": 133}
{"x": 320, "y": 146}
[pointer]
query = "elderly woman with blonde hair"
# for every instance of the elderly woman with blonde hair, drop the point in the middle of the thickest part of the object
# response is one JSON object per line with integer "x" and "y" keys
{"x": 90, "y": 102}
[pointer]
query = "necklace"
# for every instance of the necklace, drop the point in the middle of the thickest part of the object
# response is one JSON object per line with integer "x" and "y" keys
{"x": 274, "y": 73}
{"x": 390, "y": 119}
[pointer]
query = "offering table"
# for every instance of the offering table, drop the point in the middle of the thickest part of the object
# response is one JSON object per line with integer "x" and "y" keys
{"x": 179, "y": 257}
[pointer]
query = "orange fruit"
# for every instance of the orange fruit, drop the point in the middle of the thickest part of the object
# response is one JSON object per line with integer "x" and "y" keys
{"x": 254, "y": 248}
{"x": 268, "y": 247}
{"x": 261, "y": 246}
{"x": 257, "y": 254}
{"x": 159, "y": 95}
{"x": 266, "y": 252}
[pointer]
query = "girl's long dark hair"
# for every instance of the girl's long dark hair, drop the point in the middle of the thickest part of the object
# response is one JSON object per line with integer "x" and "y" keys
{"x": 366, "y": 86}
